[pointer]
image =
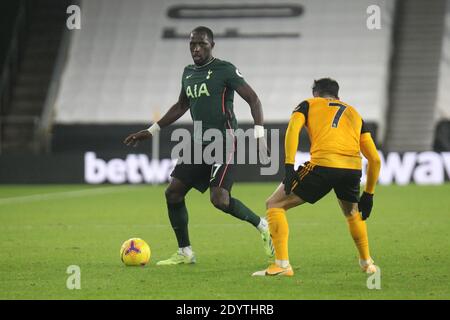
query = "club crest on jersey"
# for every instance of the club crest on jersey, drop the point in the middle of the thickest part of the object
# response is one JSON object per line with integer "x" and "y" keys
{"x": 194, "y": 93}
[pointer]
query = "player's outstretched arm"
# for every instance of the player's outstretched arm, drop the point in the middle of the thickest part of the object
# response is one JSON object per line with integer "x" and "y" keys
{"x": 172, "y": 115}
{"x": 369, "y": 151}
{"x": 176, "y": 111}
{"x": 250, "y": 96}
{"x": 290, "y": 146}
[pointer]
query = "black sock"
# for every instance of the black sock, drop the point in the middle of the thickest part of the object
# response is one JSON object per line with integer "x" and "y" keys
{"x": 178, "y": 216}
{"x": 237, "y": 209}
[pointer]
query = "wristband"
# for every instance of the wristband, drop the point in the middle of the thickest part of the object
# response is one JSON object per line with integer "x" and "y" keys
{"x": 154, "y": 128}
{"x": 258, "y": 131}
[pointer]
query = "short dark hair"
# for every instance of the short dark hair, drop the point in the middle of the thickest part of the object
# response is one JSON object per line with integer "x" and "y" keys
{"x": 326, "y": 86}
{"x": 203, "y": 29}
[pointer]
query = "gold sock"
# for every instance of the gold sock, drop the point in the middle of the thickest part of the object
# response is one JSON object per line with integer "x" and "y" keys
{"x": 358, "y": 230}
{"x": 279, "y": 230}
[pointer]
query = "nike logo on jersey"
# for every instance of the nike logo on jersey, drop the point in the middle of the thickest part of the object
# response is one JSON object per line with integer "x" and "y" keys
{"x": 187, "y": 77}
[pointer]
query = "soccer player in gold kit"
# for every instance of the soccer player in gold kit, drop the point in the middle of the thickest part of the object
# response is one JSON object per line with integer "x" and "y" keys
{"x": 338, "y": 137}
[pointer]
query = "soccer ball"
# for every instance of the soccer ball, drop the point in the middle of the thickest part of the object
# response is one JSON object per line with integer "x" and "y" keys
{"x": 135, "y": 252}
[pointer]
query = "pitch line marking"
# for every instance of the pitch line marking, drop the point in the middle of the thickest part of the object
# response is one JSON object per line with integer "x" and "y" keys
{"x": 63, "y": 195}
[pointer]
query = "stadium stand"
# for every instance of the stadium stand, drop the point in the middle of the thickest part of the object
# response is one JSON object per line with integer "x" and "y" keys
{"x": 443, "y": 101}
{"x": 414, "y": 75}
{"x": 64, "y": 93}
{"x": 123, "y": 70}
{"x": 442, "y": 133}
{"x": 30, "y": 45}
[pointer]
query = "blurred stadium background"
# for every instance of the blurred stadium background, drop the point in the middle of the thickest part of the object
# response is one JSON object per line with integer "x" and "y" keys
{"x": 68, "y": 97}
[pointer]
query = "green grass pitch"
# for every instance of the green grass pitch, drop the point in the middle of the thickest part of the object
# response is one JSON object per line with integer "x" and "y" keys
{"x": 44, "y": 229}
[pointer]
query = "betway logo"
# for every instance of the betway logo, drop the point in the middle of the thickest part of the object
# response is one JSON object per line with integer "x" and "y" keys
{"x": 136, "y": 168}
{"x": 417, "y": 167}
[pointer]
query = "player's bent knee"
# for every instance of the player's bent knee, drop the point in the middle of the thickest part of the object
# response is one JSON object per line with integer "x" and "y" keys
{"x": 269, "y": 203}
{"x": 272, "y": 203}
{"x": 173, "y": 196}
{"x": 351, "y": 213}
{"x": 220, "y": 202}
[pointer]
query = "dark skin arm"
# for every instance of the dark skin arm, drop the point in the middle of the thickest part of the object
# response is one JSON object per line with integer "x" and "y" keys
{"x": 172, "y": 115}
{"x": 249, "y": 95}
{"x": 176, "y": 111}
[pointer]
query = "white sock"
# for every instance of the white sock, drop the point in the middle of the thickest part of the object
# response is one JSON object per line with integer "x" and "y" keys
{"x": 263, "y": 225}
{"x": 187, "y": 251}
{"x": 282, "y": 263}
{"x": 365, "y": 263}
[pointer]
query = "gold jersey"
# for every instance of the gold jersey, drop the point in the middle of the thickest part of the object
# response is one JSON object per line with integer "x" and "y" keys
{"x": 334, "y": 129}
